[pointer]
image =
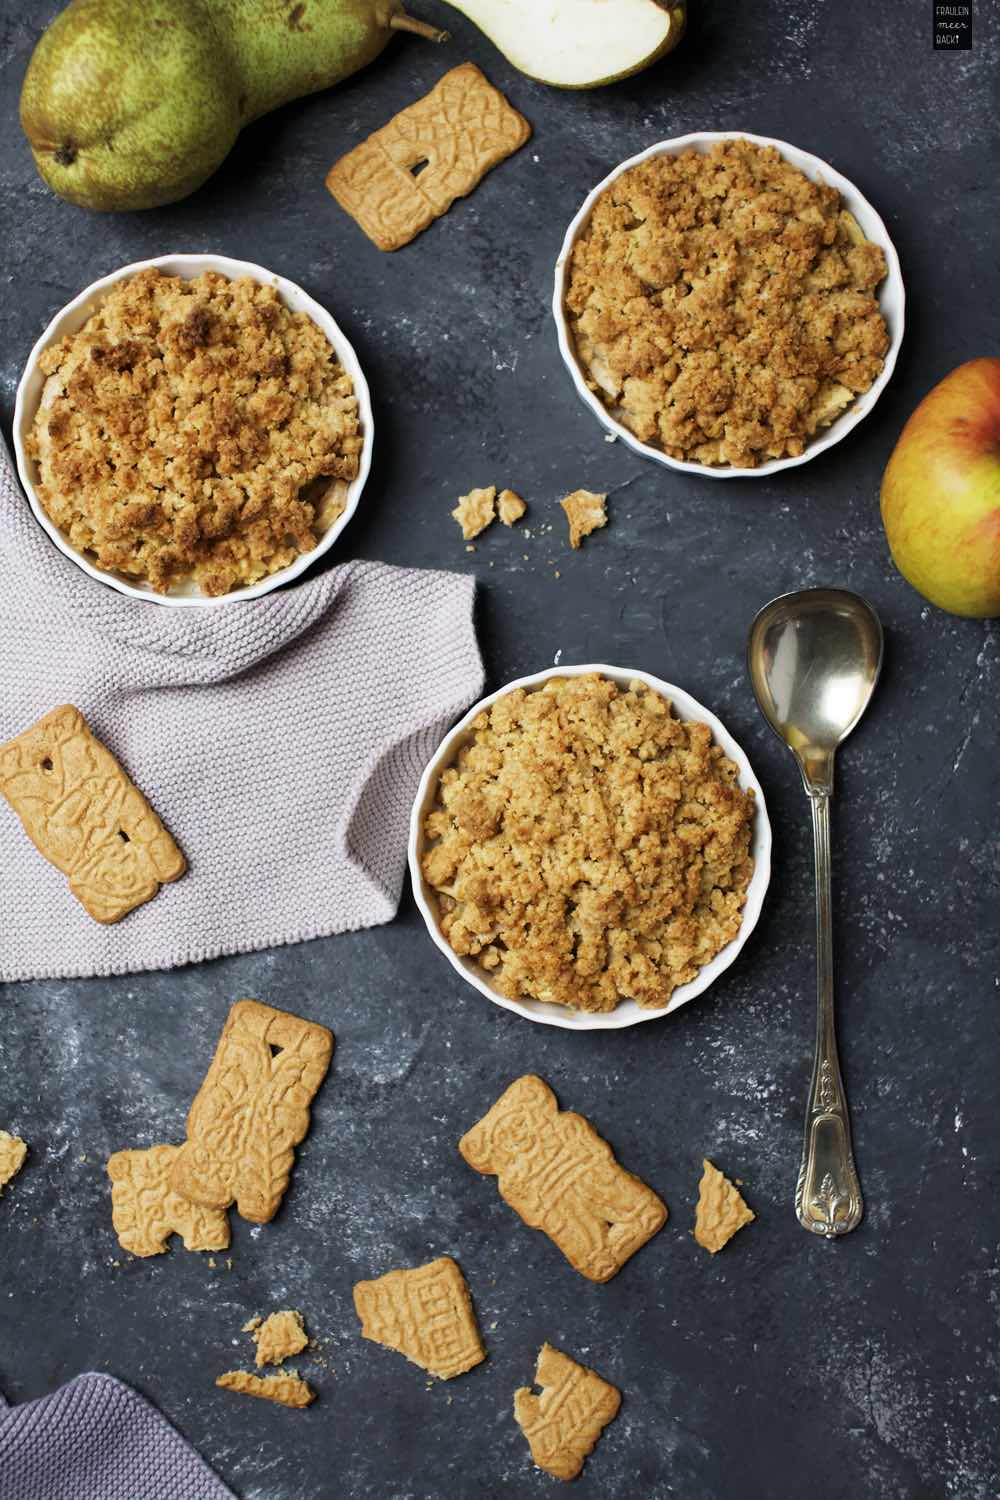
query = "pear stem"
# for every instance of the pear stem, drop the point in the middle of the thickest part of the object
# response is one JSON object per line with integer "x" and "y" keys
{"x": 400, "y": 21}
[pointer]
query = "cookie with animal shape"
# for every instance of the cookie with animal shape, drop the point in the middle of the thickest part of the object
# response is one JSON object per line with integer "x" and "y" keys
{"x": 85, "y": 815}
{"x": 146, "y": 1210}
{"x": 252, "y": 1111}
{"x": 564, "y": 1422}
{"x": 560, "y": 1176}
{"x": 425, "y": 1313}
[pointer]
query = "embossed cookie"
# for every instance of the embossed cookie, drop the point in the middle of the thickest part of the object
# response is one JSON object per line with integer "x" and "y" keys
{"x": 426, "y": 1314}
{"x": 146, "y": 1211}
{"x": 721, "y": 1210}
{"x": 81, "y": 811}
{"x": 560, "y": 1176}
{"x": 252, "y": 1110}
{"x": 285, "y": 1389}
{"x": 563, "y": 1424}
{"x": 12, "y": 1156}
{"x": 279, "y": 1337}
{"x": 410, "y": 172}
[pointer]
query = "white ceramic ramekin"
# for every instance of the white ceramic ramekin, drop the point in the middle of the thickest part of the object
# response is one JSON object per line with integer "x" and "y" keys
{"x": 628, "y": 1013}
{"x": 892, "y": 301}
{"x": 73, "y": 317}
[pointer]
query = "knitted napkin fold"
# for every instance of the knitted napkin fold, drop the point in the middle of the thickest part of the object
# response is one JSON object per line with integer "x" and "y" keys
{"x": 279, "y": 739}
{"x": 97, "y": 1439}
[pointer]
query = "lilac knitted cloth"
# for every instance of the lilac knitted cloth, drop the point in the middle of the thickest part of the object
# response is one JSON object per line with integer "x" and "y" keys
{"x": 95, "y": 1439}
{"x": 280, "y": 740}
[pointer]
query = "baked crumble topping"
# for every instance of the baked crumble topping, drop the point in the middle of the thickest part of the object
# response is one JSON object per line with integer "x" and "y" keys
{"x": 588, "y": 846}
{"x": 722, "y": 305}
{"x": 195, "y": 429}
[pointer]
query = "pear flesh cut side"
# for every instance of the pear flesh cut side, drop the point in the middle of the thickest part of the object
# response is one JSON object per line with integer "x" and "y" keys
{"x": 578, "y": 44}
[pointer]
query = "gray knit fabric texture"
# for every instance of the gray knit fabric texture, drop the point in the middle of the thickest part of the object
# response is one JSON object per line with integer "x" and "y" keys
{"x": 96, "y": 1439}
{"x": 280, "y": 740}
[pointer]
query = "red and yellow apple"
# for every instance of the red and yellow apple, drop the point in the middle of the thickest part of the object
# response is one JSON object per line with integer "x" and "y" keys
{"x": 941, "y": 493}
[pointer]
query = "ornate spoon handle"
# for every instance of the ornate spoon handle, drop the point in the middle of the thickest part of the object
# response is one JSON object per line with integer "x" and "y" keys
{"x": 828, "y": 1198}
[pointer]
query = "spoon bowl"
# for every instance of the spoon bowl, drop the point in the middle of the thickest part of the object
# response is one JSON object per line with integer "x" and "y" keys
{"x": 814, "y": 658}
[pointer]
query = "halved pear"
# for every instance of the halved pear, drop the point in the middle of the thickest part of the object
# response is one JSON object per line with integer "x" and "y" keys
{"x": 578, "y": 44}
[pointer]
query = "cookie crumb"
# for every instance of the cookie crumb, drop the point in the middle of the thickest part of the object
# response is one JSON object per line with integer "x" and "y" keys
{"x": 510, "y": 507}
{"x": 12, "y": 1154}
{"x": 279, "y": 1337}
{"x": 721, "y": 1210}
{"x": 286, "y": 1389}
{"x": 475, "y": 511}
{"x": 585, "y": 512}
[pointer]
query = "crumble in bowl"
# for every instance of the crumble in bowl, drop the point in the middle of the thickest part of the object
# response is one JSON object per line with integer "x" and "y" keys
{"x": 588, "y": 847}
{"x": 194, "y": 431}
{"x": 722, "y": 305}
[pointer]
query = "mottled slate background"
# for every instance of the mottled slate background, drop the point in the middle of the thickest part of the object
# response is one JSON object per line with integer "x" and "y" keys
{"x": 785, "y": 1367}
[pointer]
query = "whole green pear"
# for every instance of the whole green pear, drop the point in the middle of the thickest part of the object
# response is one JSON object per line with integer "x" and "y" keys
{"x": 134, "y": 103}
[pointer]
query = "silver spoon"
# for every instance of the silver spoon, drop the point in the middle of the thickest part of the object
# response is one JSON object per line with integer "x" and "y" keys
{"x": 814, "y": 659}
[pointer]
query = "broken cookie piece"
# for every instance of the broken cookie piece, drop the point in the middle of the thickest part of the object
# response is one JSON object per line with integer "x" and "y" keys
{"x": 252, "y": 1111}
{"x": 475, "y": 511}
{"x": 146, "y": 1210}
{"x": 284, "y": 1389}
{"x": 721, "y": 1210}
{"x": 585, "y": 513}
{"x": 279, "y": 1337}
{"x": 563, "y": 1424}
{"x": 426, "y": 1314}
{"x": 510, "y": 507}
{"x": 12, "y": 1154}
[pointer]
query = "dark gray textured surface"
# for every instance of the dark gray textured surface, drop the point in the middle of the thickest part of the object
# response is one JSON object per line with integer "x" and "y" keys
{"x": 783, "y": 1367}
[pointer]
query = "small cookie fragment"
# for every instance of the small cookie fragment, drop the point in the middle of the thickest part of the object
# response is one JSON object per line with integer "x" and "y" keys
{"x": 409, "y": 173}
{"x": 563, "y": 1424}
{"x": 85, "y": 815}
{"x": 146, "y": 1211}
{"x": 279, "y": 1337}
{"x": 12, "y": 1154}
{"x": 425, "y": 1313}
{"x": 474, "y": 511}
{"x": 721, "y": 1210}
{"x": 585, "y": 512}
{"x": 554, "y": 1170}
{"x": 285, "y": 1389}
{"x": 252, "y": 1110}
{"x": 510, "y": 507}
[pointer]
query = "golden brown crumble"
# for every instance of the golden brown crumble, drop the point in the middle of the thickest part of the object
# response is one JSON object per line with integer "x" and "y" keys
{"x": 195, "y": 429}
{"x": 585, "y": 513}
{"x": 279, "y": 1337}
{"x": 722, "y": 304}
{"x": 13, "y": 1152}
{"x": 588, "y": 846}
{"x": 474, "y": 511}
{"x": 510, "y": 507}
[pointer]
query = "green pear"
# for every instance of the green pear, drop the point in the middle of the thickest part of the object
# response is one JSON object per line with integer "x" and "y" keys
{"x": 578, "y": 44}
{"x": 130, "y": 105}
